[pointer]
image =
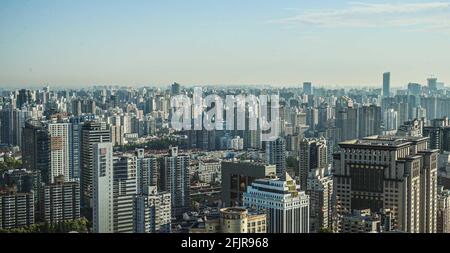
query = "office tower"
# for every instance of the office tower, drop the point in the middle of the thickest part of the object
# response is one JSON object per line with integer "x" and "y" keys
{"x": 91, "y": 133}
{"x": 286, "y": 207}
{"x": 6, "y": 126}
{"x": 390, "y": 119}
{"x": 307, "y": 88}
{"x": 153, "y": 212}
{"x": 237, "y": 176}
{"x": 103, "y": 192}
{"x": 369, "y": 121}
{"x": 16, "y": 209}
{"x": 346, "y": 120}
{"x": 175, "y": 179}
{"x": 432, "y": 84}
{"x": 60, "y": 201}
{"x": 276, "y": 154}
{"x": 175, "y": 89}
{"x": 312, "y": 118}
{"x": 395, "y": 173}
{"x": 146, "y": 171}
{"x": 60, "y": 150}
{"x": 387, "y": 84}
{"x": 77, "y": 124}
{"x": 312, "y": 156}
{"x": 443, "y": 211}
{"x": 24, "y": 97}
{"x": 19, "y": 117}
{"x": 321, "y": 194}
{"x": 36, "y": 148}
{"x": 125, "y": 190}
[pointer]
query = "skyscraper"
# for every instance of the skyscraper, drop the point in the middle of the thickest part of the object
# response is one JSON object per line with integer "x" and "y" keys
{"x": 307, "y": 88}
{"x": 91, "y": 133}
{"x": 387, "y": 84}
{"x": 369, "y": 121}
{"x": 312, "y": 156}
{"x": 146, "y": 171}
{"x": 174, "y": 176}
{"x": 276, "y": 155}
{"x": 286, "y": 207}
{"x": 125, "y": 190}
{"x": 60, "y": 150}
{"x": 36, "y": 148}
{"x": 395, "y": 173}
{"x": 103, "y": 192}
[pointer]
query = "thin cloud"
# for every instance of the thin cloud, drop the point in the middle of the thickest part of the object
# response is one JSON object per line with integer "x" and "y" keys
{"x": 434, "y": 15}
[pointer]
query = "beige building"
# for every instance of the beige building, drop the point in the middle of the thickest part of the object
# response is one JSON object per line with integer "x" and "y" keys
{"x": 234, "y": 220}
{"x": 395, "y": 173}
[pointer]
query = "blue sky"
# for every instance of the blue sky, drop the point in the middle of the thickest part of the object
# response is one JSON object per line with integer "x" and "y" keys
{"x": 278, "y": 42}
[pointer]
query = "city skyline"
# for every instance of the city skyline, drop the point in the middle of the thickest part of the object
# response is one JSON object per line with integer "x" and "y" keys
{"x": 280, "y": 43}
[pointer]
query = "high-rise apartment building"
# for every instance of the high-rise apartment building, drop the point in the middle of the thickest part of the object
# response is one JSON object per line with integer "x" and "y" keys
{"x": 125, "y": 190}
{"x": 60, "y": 201}
{"x": 60, "y": 150}
{"x": 16, "y": 209}
{"x": 103, "y": 188}
{"x": 146, "y": 171}
{"x": 36, "y": 148}
{"x": 276, "y": 155}
{"x": 91, "y": 133}
{"x": 312, "y": 156}
{"x": 395, "y": 173}
{"x": 153, "y": 212}
{"x": 175, "y": 179}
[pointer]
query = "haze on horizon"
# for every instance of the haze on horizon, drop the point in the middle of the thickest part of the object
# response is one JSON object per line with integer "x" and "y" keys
{"x": 83, "y": 42}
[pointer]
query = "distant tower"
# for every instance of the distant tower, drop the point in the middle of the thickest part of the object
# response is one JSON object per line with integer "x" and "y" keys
{"x": 307, "y": 88}
{"x": 432, "y": 84}
{"x": 387, "y": 84}
{"x": 175, "y": 89}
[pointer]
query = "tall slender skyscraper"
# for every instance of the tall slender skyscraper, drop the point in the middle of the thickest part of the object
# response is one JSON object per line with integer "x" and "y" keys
{"x": 276, "y": 155}
{"x": 36, "y": 148}
{"x": 387, "y": 84}
{"x": 125, "y": 190}
{"x": 91, "y": 133}
{"x": 60, "y": 150}
{"x": 103, "y": 192}
{"x": 175, "y": 179}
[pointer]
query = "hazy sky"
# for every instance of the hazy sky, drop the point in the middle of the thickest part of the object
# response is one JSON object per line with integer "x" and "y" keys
{"x": 134, "y": 42}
